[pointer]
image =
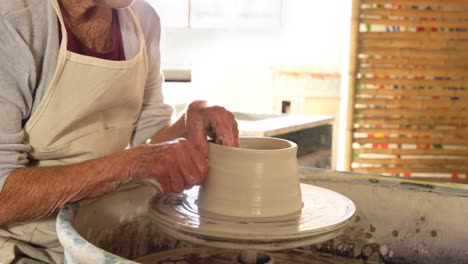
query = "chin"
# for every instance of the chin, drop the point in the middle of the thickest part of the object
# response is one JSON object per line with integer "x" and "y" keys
{"x": 115, "y": 3}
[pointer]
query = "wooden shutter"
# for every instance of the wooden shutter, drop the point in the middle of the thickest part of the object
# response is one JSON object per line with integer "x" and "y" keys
{"x": 408, "y": 84}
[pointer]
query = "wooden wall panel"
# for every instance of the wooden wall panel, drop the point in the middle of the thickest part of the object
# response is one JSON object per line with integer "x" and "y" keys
{"x": 408, "y": 87}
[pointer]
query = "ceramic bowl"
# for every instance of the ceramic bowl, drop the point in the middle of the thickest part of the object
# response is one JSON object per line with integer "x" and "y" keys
{"x": 258, "y": 179}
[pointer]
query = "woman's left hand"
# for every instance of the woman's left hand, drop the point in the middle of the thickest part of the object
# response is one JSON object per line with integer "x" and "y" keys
{"x": 202, "y": 120}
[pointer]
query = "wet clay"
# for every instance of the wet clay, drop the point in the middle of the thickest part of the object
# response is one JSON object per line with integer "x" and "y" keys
{"x": 258, "y": 179}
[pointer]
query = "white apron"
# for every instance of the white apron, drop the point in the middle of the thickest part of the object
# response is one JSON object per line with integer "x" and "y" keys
{"x": 89, "y": 110}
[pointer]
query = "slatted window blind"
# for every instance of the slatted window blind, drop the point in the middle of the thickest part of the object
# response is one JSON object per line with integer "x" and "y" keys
{"x": 408, "y": 83}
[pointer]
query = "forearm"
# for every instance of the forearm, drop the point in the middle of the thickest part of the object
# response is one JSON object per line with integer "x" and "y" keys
{"x": 170, "y": 132}
{"x": 179, "y": 128}
{"x": 35, "y": 192}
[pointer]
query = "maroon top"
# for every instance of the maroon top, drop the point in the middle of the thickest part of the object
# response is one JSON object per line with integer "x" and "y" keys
{"x": 117, "y": 52}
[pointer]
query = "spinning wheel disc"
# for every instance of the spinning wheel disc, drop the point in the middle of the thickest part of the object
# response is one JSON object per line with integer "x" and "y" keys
{"x": 324, "y": 216}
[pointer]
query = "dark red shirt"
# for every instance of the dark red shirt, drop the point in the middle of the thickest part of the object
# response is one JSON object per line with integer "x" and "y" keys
{"x": 117, "y": 52}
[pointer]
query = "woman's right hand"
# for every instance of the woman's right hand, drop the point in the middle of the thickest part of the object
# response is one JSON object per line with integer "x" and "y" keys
{"x": 174, "y": 165}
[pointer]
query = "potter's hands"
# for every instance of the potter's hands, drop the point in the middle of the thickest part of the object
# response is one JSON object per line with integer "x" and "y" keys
{"x": 216, "y": 122}
{"x": 175, "y": 165}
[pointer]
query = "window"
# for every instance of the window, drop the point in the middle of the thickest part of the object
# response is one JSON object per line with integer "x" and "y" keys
{"x": 237, "y": 14}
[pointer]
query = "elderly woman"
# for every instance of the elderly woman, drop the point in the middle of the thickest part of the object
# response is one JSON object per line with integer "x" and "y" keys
{"x": 80, "y": 81}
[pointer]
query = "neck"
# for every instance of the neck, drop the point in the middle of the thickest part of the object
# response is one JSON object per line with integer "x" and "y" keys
{"x": 78, "y": 11}
{"x": 90, "y": 22}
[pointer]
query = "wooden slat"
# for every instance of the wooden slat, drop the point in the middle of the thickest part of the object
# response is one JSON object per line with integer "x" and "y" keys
{"x": 417, "y": 44}
{"x": 428, "y": 162}
{"x": 393, "y": 86}
{"x": 410, "y": 122}
{"x": 404, "y": 121}
{"x": 416, "y": 23}
{"x": 451, "y": 3}
{"x": 414, "y": 82}
{"x": 425, "y": 35}
{"x": 414, "y": 92}
{"x": 407, "y": 113}
{"x": 413, "y": 103}
{"x": 414, "y": 53}
{"x": 458, "y": 152}
{"x": 410, "y": 112}
{"x": 449, "y": 64}
{"x": 460, "y": 133}
{"x": 451, "y": 73}
{"x": 426, "y": 116}
{"x": 411, "y": 170}
{"x": 433, "y": 140}
{"x": 414, "y": 13}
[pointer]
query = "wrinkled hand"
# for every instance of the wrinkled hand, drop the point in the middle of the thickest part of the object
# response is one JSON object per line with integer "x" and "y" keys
{"x": 214, "y": 121}
{"x": 174, "y": 165}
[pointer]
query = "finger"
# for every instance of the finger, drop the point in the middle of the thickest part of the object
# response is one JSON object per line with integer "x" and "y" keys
{"x": 157, "y": 170}
{"x": 235, "y": 129}
{"x": 165, "y": 184}
{"x": 217, "y": 118}
{"x": 210, "y": 132}
{"x": 177, "y": 182}
{"x": 197, "y": 133}
{"x": 200, "y": 163}
{"x": 188, "y": 168}
{"x": 190, "y": 174}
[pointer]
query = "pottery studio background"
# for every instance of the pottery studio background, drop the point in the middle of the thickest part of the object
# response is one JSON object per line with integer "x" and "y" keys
{"x": 260, "y": 57}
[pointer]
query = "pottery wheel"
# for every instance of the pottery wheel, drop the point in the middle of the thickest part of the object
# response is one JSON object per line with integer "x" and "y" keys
{"x": 325, "y": 215}
{"x": 204, "y": 255}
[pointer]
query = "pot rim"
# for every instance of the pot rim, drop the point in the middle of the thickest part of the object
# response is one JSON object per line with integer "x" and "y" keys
{"x": 292, "y": 145}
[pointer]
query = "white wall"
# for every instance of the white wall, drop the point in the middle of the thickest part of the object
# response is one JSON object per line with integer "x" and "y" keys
{"x": 230, "y": 68}
{"x": 235, "y": 68}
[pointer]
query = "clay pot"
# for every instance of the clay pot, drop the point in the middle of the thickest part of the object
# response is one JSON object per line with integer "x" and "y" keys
{"x": 259, "y": 179}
